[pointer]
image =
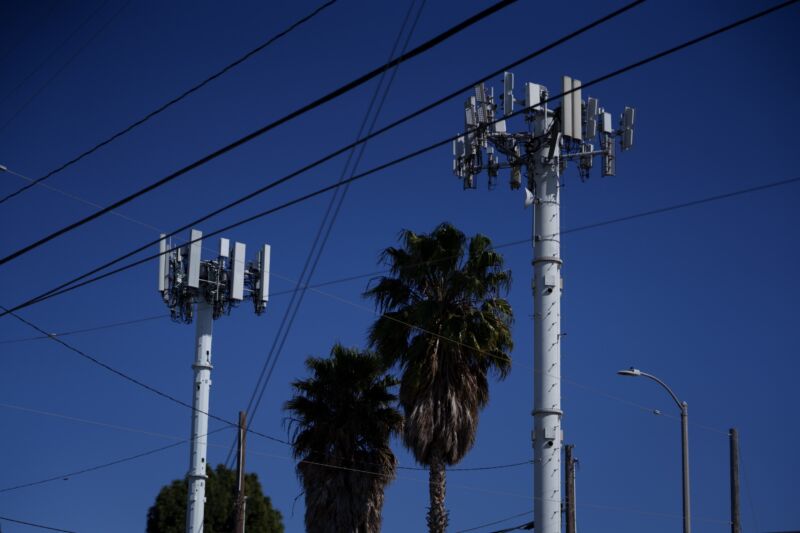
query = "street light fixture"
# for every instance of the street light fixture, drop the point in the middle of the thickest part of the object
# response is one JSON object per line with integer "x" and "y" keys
{"x": 684, "y": 407}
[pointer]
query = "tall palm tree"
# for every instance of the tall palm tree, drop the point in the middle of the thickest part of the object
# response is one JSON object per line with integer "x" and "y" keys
{"x": 446, "y": 326}
{"x": 342, "y": 418}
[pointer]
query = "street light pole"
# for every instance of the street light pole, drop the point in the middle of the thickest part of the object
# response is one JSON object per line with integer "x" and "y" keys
{"x": 684, "y": 407}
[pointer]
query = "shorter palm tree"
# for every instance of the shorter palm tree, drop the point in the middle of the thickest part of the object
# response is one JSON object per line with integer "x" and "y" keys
{"x": 342, "y": 418}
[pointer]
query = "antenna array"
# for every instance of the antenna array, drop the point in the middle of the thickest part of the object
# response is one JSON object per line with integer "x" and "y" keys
{"x": 185, "y": 279}
{"x": 576, "y": 128}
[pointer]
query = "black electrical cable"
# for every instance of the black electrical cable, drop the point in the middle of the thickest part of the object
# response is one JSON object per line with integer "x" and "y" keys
{"x": 58, "y": 289}
{"x": 171, "y": 102}
{"x": 331, "y": 214}
{"x": 502, "y": 4}
{"x": 53, "y": 52}
{"x": 32, "y": 524}
{"x": 132, "y": 379}
{"x": 66, "y": 64}
{"x": 105, "y": 465}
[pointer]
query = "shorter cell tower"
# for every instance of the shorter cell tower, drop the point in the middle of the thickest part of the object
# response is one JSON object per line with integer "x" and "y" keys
{"x": 541, "y": 150}
{"x": 214, "y": 287}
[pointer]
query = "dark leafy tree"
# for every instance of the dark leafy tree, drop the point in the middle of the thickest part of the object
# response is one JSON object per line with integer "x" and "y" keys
{"x": 342, "y": 418}
{"x": 168, "y": 514}
{"x": 446, "y": 326}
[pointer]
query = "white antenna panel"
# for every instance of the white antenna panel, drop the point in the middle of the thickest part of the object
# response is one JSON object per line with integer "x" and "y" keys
{"x": 500, "y": 126}
{"x": 263, "y": 280}
{"x": 237, "y": 271}
{"x": 195, "y": 251}
{"x": 508, "y": 93}
{"x": 576, "y": 110}
{"x": 163, "y": 272}
{"x": 469, "y": 112}
{"x": 566, "y": 106}
{"x": 592, "y": 107}
{"x": 224, "y": 247}
{"x": 608, "y": 127}
{"x": 532, "y": 95}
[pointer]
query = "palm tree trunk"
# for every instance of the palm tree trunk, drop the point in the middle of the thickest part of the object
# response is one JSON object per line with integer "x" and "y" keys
{"x": 437, "y": 514}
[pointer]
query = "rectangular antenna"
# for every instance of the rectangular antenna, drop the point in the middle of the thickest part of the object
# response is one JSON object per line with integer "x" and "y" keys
{"x": 469, "y": 112}
{"x": 576, "y": 110}
{"x": 263, "y": 275}
{"x": 237, "y": 271}
{"x": 609, "y": 163}
{"x": 500, "y": 126}
{"x": 224, "y": 247}
{"x": 195, "y": 250}
{"x": 163, "y": 272}
{"x": 592, "y": 108}
{"x": 566, "y": 106}
{"x": 508, "y": 93}
{"x": 627, "y": 128}
{"x": 608, "y": 126}
{"x": 533, "y": 93}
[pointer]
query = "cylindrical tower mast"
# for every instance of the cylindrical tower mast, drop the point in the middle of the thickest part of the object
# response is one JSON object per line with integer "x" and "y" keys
{"x": 544, "y": 171}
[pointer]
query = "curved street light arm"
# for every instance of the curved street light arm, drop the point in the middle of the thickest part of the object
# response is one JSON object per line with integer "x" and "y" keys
{"x": 681, "y": 405}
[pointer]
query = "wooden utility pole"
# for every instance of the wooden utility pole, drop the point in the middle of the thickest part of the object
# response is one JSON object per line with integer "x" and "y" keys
{"x": 570, "y": 487}
{"x": 241, "y": 499}
{"x": 736, "y": 525}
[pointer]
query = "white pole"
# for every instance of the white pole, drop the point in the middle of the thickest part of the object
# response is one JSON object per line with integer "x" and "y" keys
{"x": 202, "y": 384}
{"x": 546, "y": 338}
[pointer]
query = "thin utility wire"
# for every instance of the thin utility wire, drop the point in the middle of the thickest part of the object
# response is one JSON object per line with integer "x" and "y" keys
{"x": 72, "y": 58}
{"x": 753, "y": 514}
{"x": 90, "y": 422}
{"x": 61, "y": 288}
{"x": 331, "y": 214}
{"x": 136, "y": 381}
{"x": 475, "y": 528}
{"x": 424, "y": 47}
{"x": 509, "y": 244}
{"x": 65, "y": 477}
{"x": 55, "y": 50}
{"x": 344, "y": 149}
{"x": 182, "y": 439}
{"x": 87, "y": 330}
{"x": 173, "y": 101}
{"x": 32, "y": 524}
{"x": 26, "y": 33}
{"x": 581, "y": 228}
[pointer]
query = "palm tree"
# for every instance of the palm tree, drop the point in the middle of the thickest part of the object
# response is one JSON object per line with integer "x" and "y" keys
{"x": 342, "y": 418}
{"x": 446, "y": 326}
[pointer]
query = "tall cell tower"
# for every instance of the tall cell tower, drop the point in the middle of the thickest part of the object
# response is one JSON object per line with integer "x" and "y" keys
{"x": 190, "y": 285}
{"x": 576, "y": 131}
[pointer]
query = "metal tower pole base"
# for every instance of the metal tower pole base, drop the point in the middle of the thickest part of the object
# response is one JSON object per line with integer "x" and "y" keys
{"x": 547, "y": 434}
{"x": 195, "y": 509}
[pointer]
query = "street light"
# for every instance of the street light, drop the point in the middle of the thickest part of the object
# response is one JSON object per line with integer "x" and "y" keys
{"x": 684, "y": 407}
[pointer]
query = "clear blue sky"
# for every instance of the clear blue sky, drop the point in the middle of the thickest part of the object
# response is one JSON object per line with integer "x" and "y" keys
{"x": 704, "y": 297}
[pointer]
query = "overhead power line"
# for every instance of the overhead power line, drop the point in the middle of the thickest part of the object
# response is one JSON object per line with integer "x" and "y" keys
{"x": 172, "y": 102}
{"x": 130, "y": 378}
{"x": 63, "y": 67}
{"x": 62, "y": 477}
{"x": 329, "y": 156}
{"x": 518, "y": 242}
{"x": 329, "y": 218}
{"x": 494, "y": 523}
{"x": 26, "y": 33}
{"x": 33, "y": 524}
{"x": 56, "y": 49}
{"x": 431, "y": 43}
